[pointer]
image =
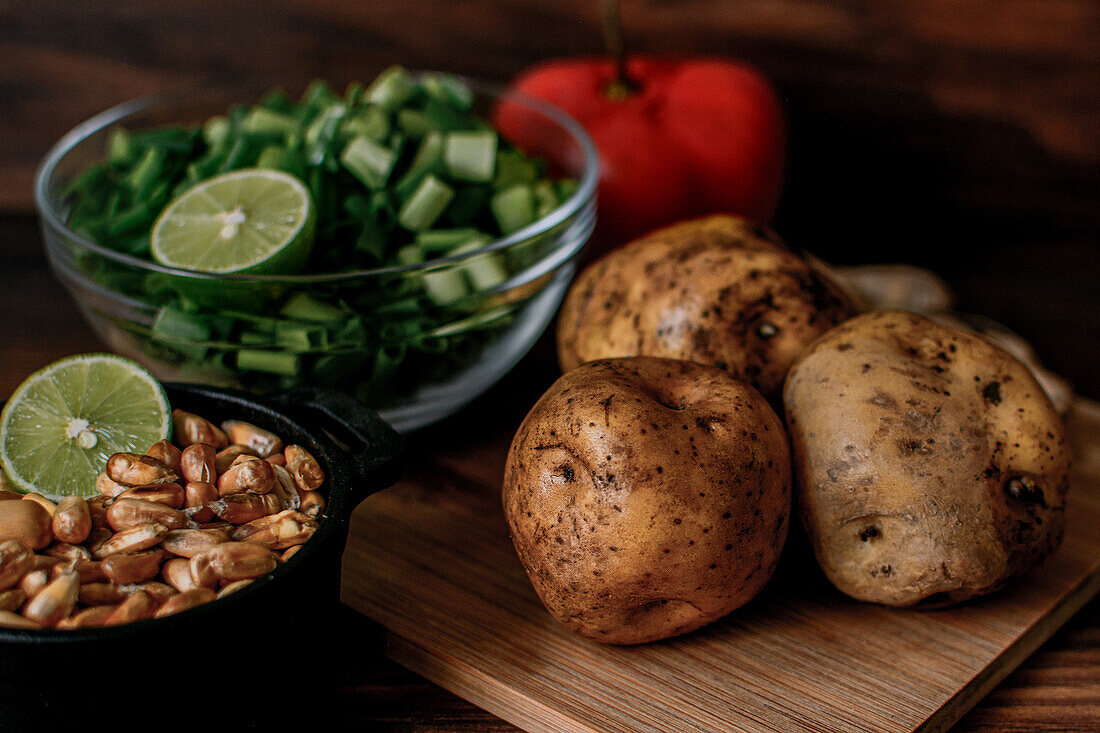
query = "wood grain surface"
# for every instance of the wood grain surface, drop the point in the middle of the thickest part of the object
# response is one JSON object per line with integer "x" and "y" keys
{"x": 431, "y": 561}
{"x": 961, "y": 136}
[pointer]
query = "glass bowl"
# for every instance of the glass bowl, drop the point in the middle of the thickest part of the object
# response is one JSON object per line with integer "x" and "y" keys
{"x": 388, "y": 344}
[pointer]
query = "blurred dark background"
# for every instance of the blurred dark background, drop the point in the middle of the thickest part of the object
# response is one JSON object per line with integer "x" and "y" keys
{"x": 959, "y": 136}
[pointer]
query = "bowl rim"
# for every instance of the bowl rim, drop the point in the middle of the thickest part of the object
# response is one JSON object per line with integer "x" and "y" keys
{"x": 581, "y": 197}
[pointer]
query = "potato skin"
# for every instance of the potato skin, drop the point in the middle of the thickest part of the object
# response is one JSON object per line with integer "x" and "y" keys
{"x": 719, "y": 290}
{"x": 930, "y": 465}
{"x": 647, "y": 497}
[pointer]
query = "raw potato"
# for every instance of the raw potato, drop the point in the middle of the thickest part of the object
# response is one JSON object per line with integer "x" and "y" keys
{"x": 647, "y": 497}
{"x": 931, "y": 466}
{"x": 719, "y": 291}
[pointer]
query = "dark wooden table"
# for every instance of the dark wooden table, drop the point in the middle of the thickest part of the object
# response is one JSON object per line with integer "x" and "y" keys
{"x": 1057, "y": 689}
{"x": 960, "y": 136}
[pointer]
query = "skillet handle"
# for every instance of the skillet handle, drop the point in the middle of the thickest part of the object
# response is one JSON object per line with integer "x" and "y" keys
{"x": 374, "y": 448}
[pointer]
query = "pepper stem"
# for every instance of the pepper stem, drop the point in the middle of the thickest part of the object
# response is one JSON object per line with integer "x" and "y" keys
{"x": 621, "y": 85}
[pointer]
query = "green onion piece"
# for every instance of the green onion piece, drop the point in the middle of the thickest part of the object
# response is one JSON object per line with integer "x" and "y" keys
{"x": 566, "y": 188}
{"x": 318, "y": 95}
{"x": 397, "y": 142}
{"x": 300, "y": 337}
{"x": 413, "y": 122}
{"x": 318, "y": 186}
{"x": 157, "y": 198}
{"x": 136, "y": 218}
{"x": 266, "y": 121}
{"x": 239, "y": 155}
{"x": 263, "y": 324}
{"x": 381, "y": 207}
{"x": 114, "y": 203}
{"x": 90, "y": 183}
{"x": 471, "y": 156}
{"x": 514, "y": 167}
{"x": 172, "y": 139}
{"x": 372, "y": 242}
{"x": 351, "y": 332}
{"x": 425, "y": 205}
{"x": 513, "y": 208}
{"x": 372, "y": 123}
{"x": 190, "y": 352}
{"x": 546, "y": 198}
{"x": 485, "y": 271}
{"x": 446, "y": 118}
{"x": 368, "y": 161}
{"x": 271, "y": 362}
{"x": 445, "y": 286}
{"x": 428, "y": 160}
{"x": 137, "y": 245}
{"x": 444, "y": 240}
{"x": 391, "y": 89}
{"x": 279, "y": 158}
{"x": 205, "y": 167}
{"x": 257, "y": 338}
{"x": 354, "y": 93}
{"x": 303, "y": 307}
{"x": 120, "y": 149}
{"x": 146, "y": 171}
{"x": 216, "y": 130}
{"x": 277, "y": 101}
{"x": 448, "y": 89}
{"x": 321, "y": 134}
{"x": 173, "y": 325}
{"x": 410, "y": 254}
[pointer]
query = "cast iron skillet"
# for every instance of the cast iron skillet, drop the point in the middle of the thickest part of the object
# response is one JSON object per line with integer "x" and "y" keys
{"x": 271, "y": 616}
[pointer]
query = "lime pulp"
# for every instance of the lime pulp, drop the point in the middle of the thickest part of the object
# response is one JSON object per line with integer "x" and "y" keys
{"x": 63, "y": 422}
{"x": 253, "y": 221}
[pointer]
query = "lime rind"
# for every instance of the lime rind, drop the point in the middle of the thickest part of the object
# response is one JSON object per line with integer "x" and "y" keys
{"x": 63, "y": 422}
{"x": 251, "y": 221}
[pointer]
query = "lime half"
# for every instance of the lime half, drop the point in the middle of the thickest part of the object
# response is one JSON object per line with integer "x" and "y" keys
{"x": 66, "y": 419}
{"x": 254, "y": 221}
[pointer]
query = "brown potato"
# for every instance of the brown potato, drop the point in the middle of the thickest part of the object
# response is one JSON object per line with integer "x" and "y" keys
{"x": 719, "y": 291}
{"x": 931, "y": 466}
{"x": 647, "y": 497}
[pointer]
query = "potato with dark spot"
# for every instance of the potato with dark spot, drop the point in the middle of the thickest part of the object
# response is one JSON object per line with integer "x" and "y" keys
{"x": 931, "y": 467}
{"x": 720, "y": 291}
{"x": 647, "y": 497}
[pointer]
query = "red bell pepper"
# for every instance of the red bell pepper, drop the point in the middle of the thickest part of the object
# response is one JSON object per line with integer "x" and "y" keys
{"x": 677, "y": 137}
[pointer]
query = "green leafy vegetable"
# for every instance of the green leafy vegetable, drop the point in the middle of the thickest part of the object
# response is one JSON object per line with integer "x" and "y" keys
{"x": 401, "y": 171}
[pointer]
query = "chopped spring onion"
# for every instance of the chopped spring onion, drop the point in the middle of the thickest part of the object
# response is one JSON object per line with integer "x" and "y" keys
{"x": 485, "y": 271}
{"x": 425, "y": 205}
{"x": 391, "y": 89}
{"x": 400, "y": 172}
{"x": 272, "y": 362}
{"x": 471, "y": 156}
{"x": 368, "y": 161}
{"x": 445, "y": 286}
{"x": 514, "y": 208}
{"x": 446, "y": 240}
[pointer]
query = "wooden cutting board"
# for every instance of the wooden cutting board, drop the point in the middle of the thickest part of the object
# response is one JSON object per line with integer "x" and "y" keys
{"x": 431, "y": 561}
